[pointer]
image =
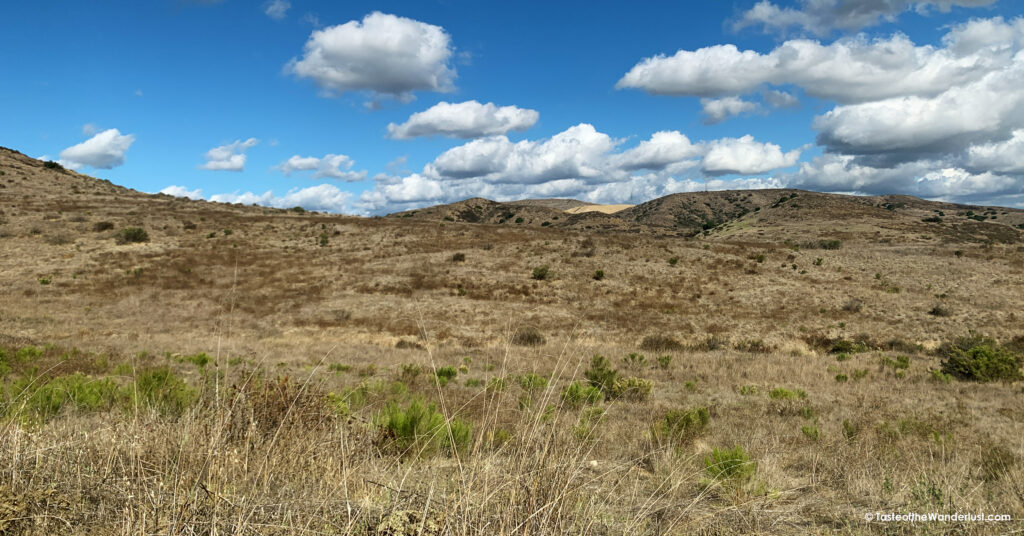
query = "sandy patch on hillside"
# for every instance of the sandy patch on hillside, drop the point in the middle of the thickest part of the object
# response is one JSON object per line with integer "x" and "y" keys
{"x": 607, "y": 209}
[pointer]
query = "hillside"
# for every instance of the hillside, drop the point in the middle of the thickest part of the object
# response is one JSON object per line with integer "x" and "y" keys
{"x": 169, "y": 363}
{"x": 743, "y": 213}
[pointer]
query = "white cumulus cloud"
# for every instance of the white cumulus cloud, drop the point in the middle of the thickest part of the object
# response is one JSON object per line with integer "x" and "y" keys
{"x": 333, "y": 166}
{"x": 468, "y": 119}
{"x": 324, "y": 197}
{"x": 105, "y": 150}
{"x": 977, "y": 112}
{"x": 852, "y": 70}
{"x": 718, "y": 110}
{"x": 577, "y": 152}
{"x": 745, "y": 156}
{"x": 661, "y": 150}
{"x": 181, "y": 191}
{"x": 230, "y": 157}
{"x": 1003, "y": 156}
{"x": 821, "y": 17}
{"x": 384, "y": 54}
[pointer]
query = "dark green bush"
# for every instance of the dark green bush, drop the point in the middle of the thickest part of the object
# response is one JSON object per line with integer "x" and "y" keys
{"x": 101, "y": 226}
{"x": 830, "y": 244}
{"x": 53, "y": 165}
{"x": 446, "y": 374}
{"x": 601, "y": 374}
{"x": 577, "y": 394}
{"x": 541, "y": 273}
{"x": 130, "y": 235}
{"x": 979, "y": 358}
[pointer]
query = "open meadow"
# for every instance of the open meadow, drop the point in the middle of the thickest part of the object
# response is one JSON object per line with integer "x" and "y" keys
{"x": 759, "y": 362}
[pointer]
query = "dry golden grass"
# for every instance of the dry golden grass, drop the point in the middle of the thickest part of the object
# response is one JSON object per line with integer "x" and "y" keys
{"x": 309, "y": 343}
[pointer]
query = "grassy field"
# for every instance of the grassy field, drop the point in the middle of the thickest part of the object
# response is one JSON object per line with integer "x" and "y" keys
{"x": 242, "y": 370}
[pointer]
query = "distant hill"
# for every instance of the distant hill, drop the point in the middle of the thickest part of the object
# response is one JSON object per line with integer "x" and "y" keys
{"x": 786, "y": 212}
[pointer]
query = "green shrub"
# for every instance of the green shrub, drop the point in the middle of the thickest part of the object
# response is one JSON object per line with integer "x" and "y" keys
{"x": 830, "y": 244}
{"x": 901, "y": 362}
{"x": 601, "y": 375}
{"x": 53, "y": 165}
{"x": 446, "y": 374}
{"x": 680, "y": 425}
{"x": 844, "y": 346}
{"x": 200, "y": 360}
{"x": 850, "y": 430}
{"x": 672, "y": 261}
{"x": 131, "y": 235}
{"x": 588, "y": 422}
{"x": 408, "y": 372}
{"x": 635, "y": 360}
{"x": 730, "y": 464}
{"x": 421, "y": 430}
{"x": 458, "y": 257}
{"x": 577, "y": 394}
{"x": 101, "y": 226}
{"x": 979, "y": 358}
{"x": 540, "y": 273}
{"x": 841, "y": 378}
{"x": 811, "y": 432}
{"x": 41, "y": 401}
{"x": 599, "y": 275}
{"x": 161, "y": 390}
{"x": 785, "y": 394}
{"x": 632, "y": 388}
{"x": 664, "y": 361}
{"x": 532, "y": 382}
{"x": 940, "y": 376}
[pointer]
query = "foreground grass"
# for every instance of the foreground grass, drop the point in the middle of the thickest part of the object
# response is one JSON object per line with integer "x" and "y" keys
{"x": 515, "y": 442}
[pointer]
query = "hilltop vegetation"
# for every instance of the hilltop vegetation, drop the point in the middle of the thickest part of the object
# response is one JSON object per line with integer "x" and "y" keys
{"x": 170, "y": 366}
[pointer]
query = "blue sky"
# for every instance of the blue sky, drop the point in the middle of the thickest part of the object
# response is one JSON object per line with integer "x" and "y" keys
{"x": 369, "y": 108}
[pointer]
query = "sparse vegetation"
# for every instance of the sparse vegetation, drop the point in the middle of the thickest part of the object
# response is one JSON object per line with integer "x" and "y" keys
{"x": 528, "y": 336}
{"x": 540, "y": 273}
{"x": 323, "y": 412}
{"x": 660, "y": 343}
